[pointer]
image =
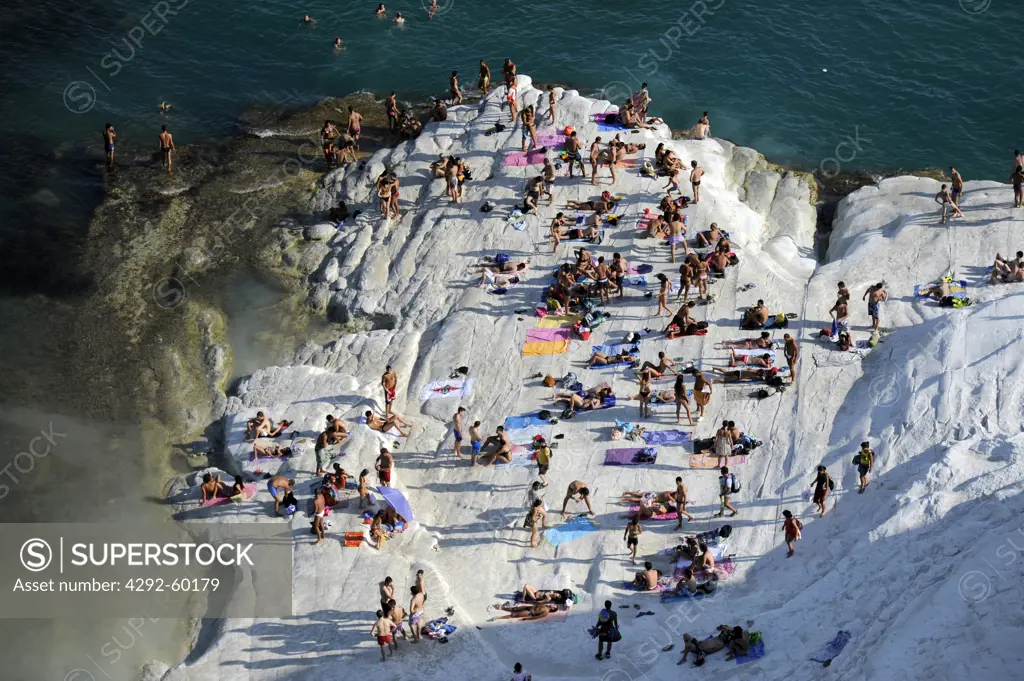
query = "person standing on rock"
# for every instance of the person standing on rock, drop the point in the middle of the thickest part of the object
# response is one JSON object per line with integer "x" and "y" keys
{"x": 681, "y": 503}
{"x": 876, "y": 295}
{"x": 457, "y": 430}
{"x": 387, "y": 592}
{"x": 572, "y": 153}
{"x": 792, "y": 528}
{"x": 484, "y": 79}
{"x": 383, "y": 465}
{"x": 453, "y": 88}
{"x": 389, "y": 381}
{"x": 319, "y": 511}
{"x": 957, "y": 188}
{"x": 391, "y": 110}
{"x": 701, "y": 393}
{"x": 166, "y": 147}
{"x": 822, "y": 486}
{"x": 355, "y": 120}
{"x": 529, "y": 130}
{"x": 416, "y": 612}
{"x": 792, "y": 353}
{"x": 945, "y": 199}
{"x": 519, "y": 675}
{"x": 607, "y": 630}
{"x": 696, "y": 174}
{"x": 476, "y": 442}
{"x": 840, "y": 313}
{"x": 682, "y": 401}
{"x": 595, "y": 159}
{"x": 393, "y": 199}
{"x": 421, "y": 584}
{"x": 552, "y": 98}
{"x": 509, "y": 71}
{"x": 382, "y": 630}
{"x": 865, "y": 462}
{"x": 109, "y": 136}
{"x": 1017, "y": 180}
{"x": 726, "y": 488}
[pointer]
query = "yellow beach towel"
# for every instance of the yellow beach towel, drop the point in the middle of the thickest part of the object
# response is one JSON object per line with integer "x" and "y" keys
{"x": 554, "y": 321}
{"x": 545, "y": 348}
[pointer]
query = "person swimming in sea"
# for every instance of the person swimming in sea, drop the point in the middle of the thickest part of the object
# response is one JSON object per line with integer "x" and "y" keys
{"x": 381, "y": 10}
{"x": 399, "y": 19}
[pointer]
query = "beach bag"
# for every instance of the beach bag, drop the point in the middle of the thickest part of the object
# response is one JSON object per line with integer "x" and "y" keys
{"x": 781, "y": 321}
{"x": 549, "y": 381}
{"x": 831, "y": 483}
{"x": 501, "y": 259}
{"x": 569, "y": 380}
{"x": 567, "y": 413}
{"x": 755, "y": 636}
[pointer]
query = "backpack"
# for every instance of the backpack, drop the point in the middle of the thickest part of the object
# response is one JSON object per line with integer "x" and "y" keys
{"x": 730, "y": 484}
{"x": 831, "y": 483}
{"x": 568, "y": 381}
{"x": 501, "y": 259}
{"x": 736, "y": 486}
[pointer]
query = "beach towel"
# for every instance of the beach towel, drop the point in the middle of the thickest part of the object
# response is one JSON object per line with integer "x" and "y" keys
{"x": 673, "y": 597}
{"x": 664, "y": 584}
{"x": 631, "y": 348}
{"x": 666, "y": 437}
{"x": 756, "y": 651}
{"x": 554, "y": 321}
{"x": 525, "y": 436}
{"x": 248, "y": 489}
{"x": 439, "y": 629}
{"x": 722, "y": 344}
{"x": 723, "y": 568}
{"x": 452, "y": 387}
{"x": 754, "y": 352}
{"x": 718, "y": 550}
{"x": 516, "y": 422}
{"x": 957, "y": 289}
{"x": 524, "y": 158}
{"x": 545, "y": 335}
{"x": 634, "y": 509}
{"x": 578, "y": 527}
{"x": 710, "y": 461}
{"x": 635, "y": 281}
{"x": 630, "y": 456}
{"x": 393, "y": 432}
{"x": 601, "y": 120}
{"x": 640, "y": 268}
{"x": 832, "y": 648}
{"x": 545, "y": 348}
{"x": 554, "y": 141}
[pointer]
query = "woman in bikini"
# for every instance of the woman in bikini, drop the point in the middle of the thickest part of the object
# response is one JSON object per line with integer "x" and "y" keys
{"x": 702, "y": 279}
{"x": 682, "y": 400}
{"x": 645, "y": 395}
{"x": 393, "y": 198}
{"x": 535, "y": 611}
{"x": 701, "y": 393}
{"x": 663, "y": 295}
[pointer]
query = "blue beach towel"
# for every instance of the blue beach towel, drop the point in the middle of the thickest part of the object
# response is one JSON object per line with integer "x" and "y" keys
{"x": 666, "y": 437}
{"x": 756, "y": 652}
{"x": 833, "y": 648}
{"x": 576, "y": 528}
{"x": 516, "y": 422}
{"x": 602, "y": 126}
{"x": 673, "y": 597}
{"x": 636, "y": 281}
{"x": 631, "y": 348}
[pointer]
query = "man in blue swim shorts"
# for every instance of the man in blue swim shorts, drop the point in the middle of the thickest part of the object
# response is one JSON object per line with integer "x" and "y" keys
{"x": 457, "y": 428}
{"x": 109, "y": 136}
{"x": 875, "y": 295}
{"x": 476, "y": 440}
{"x": 279, "y": 486}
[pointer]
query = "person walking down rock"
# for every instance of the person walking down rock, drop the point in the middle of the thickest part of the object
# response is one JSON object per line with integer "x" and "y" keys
{"x": 607, "y": 631}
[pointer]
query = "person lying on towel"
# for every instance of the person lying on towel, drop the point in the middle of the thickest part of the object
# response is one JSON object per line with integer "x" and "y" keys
{"x": 533, "y": 611}
{"x": 762, "y": 361}
{"x": 600, "y": 359}
{"x": 737, "y": 375}
{"x": 558, "y": 597}
{"x": 648, "y": 579}
{"x": 764, "y": 342}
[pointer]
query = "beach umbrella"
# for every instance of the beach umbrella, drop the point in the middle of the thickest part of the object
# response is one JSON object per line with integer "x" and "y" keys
{"x": 397, "y": 501}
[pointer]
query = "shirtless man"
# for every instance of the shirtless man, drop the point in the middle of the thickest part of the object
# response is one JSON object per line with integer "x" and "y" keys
{"x": 279, "y": 487}
{"x": 337, "y": 431}
{"x": 512, "y": 99}
{"x": 792, "y": 352}
{"x": 355, "y": 120}
{"x": 212, "y": 487}
{"x": 664, "y": 364}
{"x": 577, "y": 491}
{"x": 552, "y": 98}
{"x": 476, "y": 441}
{"x": 383, "y": 466}
{"x": 675, "y": 236}
{"x": 453, "y": 88}
{"x": 416, "y": 612}
{"x": 841, "y": 313}
{"x": 763, "y": 342}
{"x": 391, "y": 110}
{"x": 957, "y": 189}
{"x": 573, "y": 155}
{"x": 696, "y": 173}
{"x": 320, "y": 452}
{"x": 509, "y": 71}
{"x": 396, "y": 613}
{"x": 648, "y": 579}
{"x": 384, "y": 425}
{"x": 944, "y": 199}
{"x": 620, "y": 270}
{"x": 529, "y": 128}
{"x": 457, "y": 430}
{"x": 389, "y": 382}
{"x": 595, "y": 154}
{"x": 735, "y": 360}
{"x": 166, "y": 147}
{"x": 484, "y": 79}
{"x": 598, "y": 359}
{"x": 681, "y": 503}
{"x": 382, "y": 630}
{"x": 876, "y": 295}
{"x": 603, "y": 279}
{"x": 502, "y": 447}
{"x": 109, "y": 137}
{"x": 755, "y": 317}
{"x": 548, "y": 174}
{"x": 319, "y": 510}
{"x": 708, "y": 237}
{"x": 641, "y": 99}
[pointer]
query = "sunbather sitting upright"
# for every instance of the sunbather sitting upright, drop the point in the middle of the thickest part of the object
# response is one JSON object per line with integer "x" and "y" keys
{"x": 709, "y": 236}
{"x": 736, "y": 375}
{"x": 688, "y": 585}
{"x": 502, "y": 444}
{"x": 648, "y": 579}
{"x": 755, "y": 317}
{"x": 764, "y": 361}
{"x": 600, "y": 359}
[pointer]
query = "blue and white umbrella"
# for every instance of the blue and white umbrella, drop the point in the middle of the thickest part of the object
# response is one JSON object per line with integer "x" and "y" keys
{"x": 397, "y": 501}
